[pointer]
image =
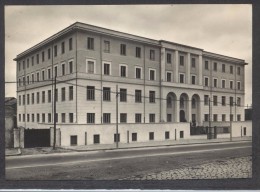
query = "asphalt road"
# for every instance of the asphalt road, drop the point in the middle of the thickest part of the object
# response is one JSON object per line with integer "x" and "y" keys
{"x": 117, "y": 164}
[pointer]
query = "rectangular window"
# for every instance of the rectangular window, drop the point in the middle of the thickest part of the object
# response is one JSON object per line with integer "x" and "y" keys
{"x": 56, "y": 117}
{"x": 123, "y": 49}
{"x": 70, "y": 44}
{"x": 32, "y": 60}
{"x": 231, "y": 69}
{"x": 152, "y": 96}
{"x": 123, "y": 95}
{"x": 71, "y": 67}
{"x": 215, "y": 100}
{"x": 63, "y": 94}
{"x": 106, "y": 117}
{"x": 193, "y": 79}
{"x": 181, "y": 134}
{"x": 19, "y": 66}
{"x": 193, "y": 62}
{"x": 106, "y": 93}
{"x": 123, "y": 118}
{"x": 62, "y": 47}
{"x": 182, "y": 78}
{"x": 28, "y": 80}
{"x": 43, "y": 96}
{"x": 28, "y": 99}
{"x": 181, "y": 60}
{"x": 90, "y": 67}
{"x": 169, "y": 117}
{"x": 215, "y": 67}
{"x": 138, "y": 118}
{"x": 49, "y": 73}
{"x": 116, "y": 137}
{"x": 138, "y": 72}
{"x": 215, "y": 117}
{"x": 215, "y": 82}
{"x": 231, "y": 84}
{"x": 206, "y": 81}
{"x": 32, "y": 117}
{"x": 23, "y": 64}
{"x": 38, "y": 117}
{"x": 152, "y": 54}
{"x": 134, "y": 136}
{"x": 90, "y": 93}
{"x": 19, "y": 82}
{"x": 152, "y": 74}
{"x": 168, "y": 76}
{"x": 223, "y": 83}
{"x": 90, "y": 117}
{"x": 106, "y": 68}
{"x": 138, "y": 96}
{"x": 223, "y": 117}
{"x": 167, "y": 135}
{"x": 151, "y": 136}
{"x": 49, "y": 53}
{"x": 23, "y": 99}
{"x": 231, "y": 117}
{"x": 70, "y": 93}
{"x": 223, "y": 68}
{"x": 37, "y": 59}
{"x": 32, "y": 98}
{"x": 206, "y": 117}
{"x": 43, "y": 56}
{"x": 206, "y": 65}
{"x": 56, "y": 95}
{"x": 107, "y": 46}
{"x": 55, "y": 71}
{"x": 49, "y": 96}
{"x": 55, "y": 51}
{"x": 38, "y": 76}
{"x": 238, "y": 85}
{"x": 28, "y": 117}
{"x": 238, "y": 117}
{"x": 28, "y": 63}
{"x": 23, "y": 117}
{"x": 90, "y": 43}
{"x": 71, "y": 117}
{"x": 152, "y": 118}
{"x": 238, "y": 101}
{"x": 43, "y": 75}
{"x": 49, "y": 117}
{"x": 20, "y": 100}
{"x": 231, "y": 101}
{"x": 96, "y": 139}
{"x": 43, "y": 117}
{"x": 73, "y": 140}
{"x": 138, "y": 52}
{"x": 32, "y": 78}
{"x": 169, "y": 58}
{"x": 63, "y": 69}
{"x": 223, "y": 99}
{"x": 238, "y": 71}
{"x": 123, "y": 71}
{"x": 63, "y": 117}
{"x": 38, "y": 97}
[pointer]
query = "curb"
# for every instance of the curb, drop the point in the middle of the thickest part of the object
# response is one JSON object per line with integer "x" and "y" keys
{"x": 15, "y": 154}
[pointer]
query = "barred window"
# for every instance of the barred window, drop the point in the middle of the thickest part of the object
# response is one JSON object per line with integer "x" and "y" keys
{"x": 90, "y": 117}
{"x": 138, "y": 118}
{"x": 123, "y": 118}
{"x": 152, "y": 96}
{"x": 215, "y": 100}
{"x": 123, "y": 95}
{"x": 152, "y": 118}
{"x": 106, "y": 117}
{"x": 106, "y": 93}
{"x": 138, "y": 96}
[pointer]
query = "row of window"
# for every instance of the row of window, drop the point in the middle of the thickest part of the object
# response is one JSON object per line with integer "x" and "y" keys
{"x": 223, "y": 100}
{"x": 49, "y": 53}
{"x": 31, "y": 97}
{"x": 223, "y": 117}
{"x": 90, "y": 118}
{"x": 223, "y": 83}
{"x": 46, "y": 74}
{"x": 96, "y": 137}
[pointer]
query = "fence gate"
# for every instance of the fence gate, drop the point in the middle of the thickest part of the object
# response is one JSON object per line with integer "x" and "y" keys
{"x": 36, "y": 138}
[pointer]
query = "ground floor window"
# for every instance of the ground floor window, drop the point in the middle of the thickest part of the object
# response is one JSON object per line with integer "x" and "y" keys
{"x": 151, "y": 136}
{"x": 96, "y": 139}
{"x": 116, "y": 137}
{"x": 134, "y": 136}
{"x": 244, "y": 131}
{"x": 181, "y": 134}
{"x": 169, "y": 117}
{"x": 73, "y": 140}
{"x": 167, "y": 135}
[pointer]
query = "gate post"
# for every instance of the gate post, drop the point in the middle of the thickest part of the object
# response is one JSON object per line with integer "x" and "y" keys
{"x": 58, "y": 137}
{"x": 21, "y": 138}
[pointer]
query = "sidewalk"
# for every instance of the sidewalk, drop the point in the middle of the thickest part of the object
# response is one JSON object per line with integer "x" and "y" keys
{"x": 121, "y": 146}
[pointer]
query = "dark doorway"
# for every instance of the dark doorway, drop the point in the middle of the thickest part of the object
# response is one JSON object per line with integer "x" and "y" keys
{"x": 36, "y": 138}
{"x": 182, "y": 116}
{"x": 244, "y": 131}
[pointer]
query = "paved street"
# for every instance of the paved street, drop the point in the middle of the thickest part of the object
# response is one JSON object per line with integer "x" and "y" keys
{"x": 120, "y": 164}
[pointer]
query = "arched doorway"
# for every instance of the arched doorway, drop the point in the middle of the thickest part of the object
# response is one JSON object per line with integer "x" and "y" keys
{"x": 171, "y": 100}
{"x": 184, "y": 99}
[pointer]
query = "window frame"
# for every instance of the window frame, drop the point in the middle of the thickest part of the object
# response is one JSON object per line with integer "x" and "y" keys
{"x": 87, "y": 66}
{"x": 154, "y": 70}
{"x": 126, "y": 70}
{"x": 103, "y": 65}
{"x": 137, "y": 67}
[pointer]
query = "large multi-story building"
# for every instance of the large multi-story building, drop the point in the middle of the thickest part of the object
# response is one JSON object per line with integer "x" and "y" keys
{"x": 161, "y": 85}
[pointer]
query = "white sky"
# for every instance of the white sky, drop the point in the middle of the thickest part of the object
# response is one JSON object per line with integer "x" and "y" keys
{"x": 222, "y": 29}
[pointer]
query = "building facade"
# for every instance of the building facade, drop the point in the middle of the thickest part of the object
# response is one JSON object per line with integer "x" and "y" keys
{"x": 158, "y": 82}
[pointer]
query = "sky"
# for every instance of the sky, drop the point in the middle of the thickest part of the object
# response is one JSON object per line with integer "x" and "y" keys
{"x": 222, "y": 29}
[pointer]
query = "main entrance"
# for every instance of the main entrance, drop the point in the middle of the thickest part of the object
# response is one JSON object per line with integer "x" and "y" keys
{"x": 36, "y": 138}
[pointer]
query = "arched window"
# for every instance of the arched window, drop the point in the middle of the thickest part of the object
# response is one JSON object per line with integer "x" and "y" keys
{"x": 169, "y": 102}
{"x": 193, "y": 103}
{"x": 182, "y": 102}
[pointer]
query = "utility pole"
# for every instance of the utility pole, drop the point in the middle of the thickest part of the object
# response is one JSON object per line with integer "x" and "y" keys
{"x": 231, "y": 103}
{"x": 117, "y": 116}
{"x": 54, "y": 135}
{"x": 209, "y": 129}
